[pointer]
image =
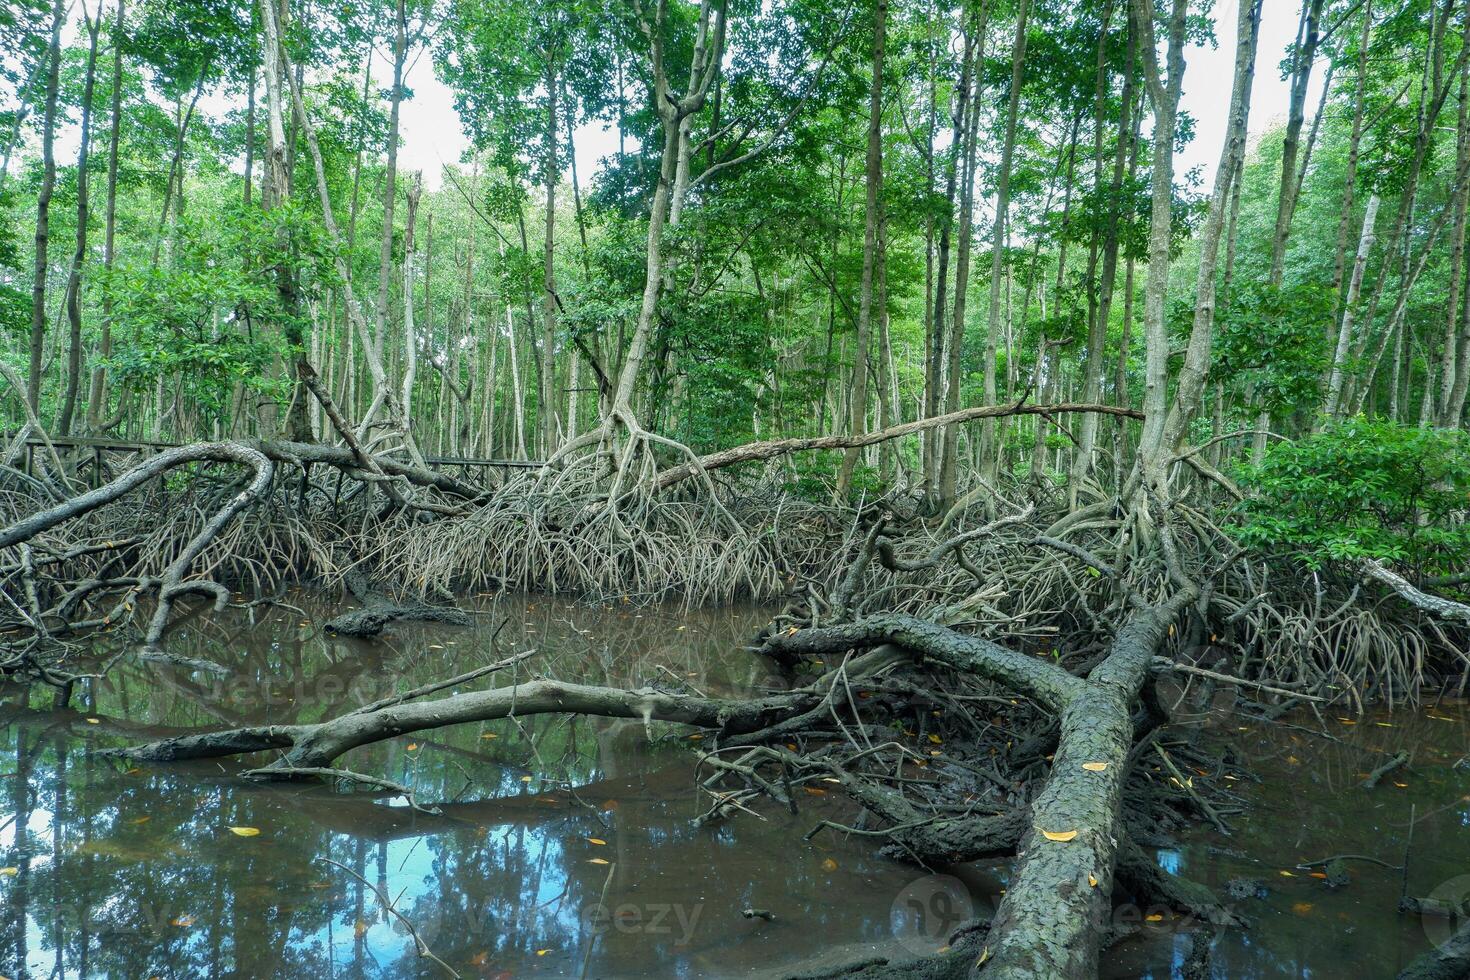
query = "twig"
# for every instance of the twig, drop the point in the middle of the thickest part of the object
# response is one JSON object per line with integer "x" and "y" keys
{"x": 423, "y": 950}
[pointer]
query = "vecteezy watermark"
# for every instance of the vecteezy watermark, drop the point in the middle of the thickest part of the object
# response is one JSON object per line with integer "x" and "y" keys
{"x": 673, "y": 919}
{"x": 928, "y": 910}
{"x": 1446, "y": 909}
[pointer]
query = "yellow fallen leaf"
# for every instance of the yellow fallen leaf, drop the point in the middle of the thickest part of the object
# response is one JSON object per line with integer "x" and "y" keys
{"x": 1402, "y": 785}
{"x": 1060, "y": 836}
{"x": 597, "y": 861}
{"x": 1095, "y": 766}
{"x": 1156, "y": 917}
{"x": 525, "y": 779}
{"x": 936, "y": 739}
{"x": 360, "y": 929}
{"x": 1287, "y": 874}
{"x": 413, "y": 747}
{"x": 1318, "y": 874}
{"x": 814, "y": 791}
{"x": 489, "y": 735}
{"x": 829, "y": 865}
{"x": 695, "y": 737}
{"x": 1092, "y": 880}
{"x": 93, "y": 721}
{"x": 139, "y": 821}
{"x": 183, "y": 921}
{"x": 1302, "y": 908}
{"x": 245, "y": 831}
{"x": 480, "y": 958}
{"x": 596, "y": 840}
{"x": 984, "y": 955}
{"x": 543, "y": 952}
{"x": 9, "y": 872}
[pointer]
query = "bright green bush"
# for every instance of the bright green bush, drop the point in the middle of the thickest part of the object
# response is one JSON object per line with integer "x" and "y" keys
{"x": 1364, "y": 488}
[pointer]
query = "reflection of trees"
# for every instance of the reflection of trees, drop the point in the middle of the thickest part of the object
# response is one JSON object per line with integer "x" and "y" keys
{"x": 120, "y": 854}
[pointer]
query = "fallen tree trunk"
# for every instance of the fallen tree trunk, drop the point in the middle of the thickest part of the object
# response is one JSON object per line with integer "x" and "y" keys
{"x": 321, "y": 744}
{"x": 756, "y": 451}
{"x": 1055, "y": 912}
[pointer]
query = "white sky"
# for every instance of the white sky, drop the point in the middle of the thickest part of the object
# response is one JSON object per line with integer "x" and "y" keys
{"x": 433, "y": 136}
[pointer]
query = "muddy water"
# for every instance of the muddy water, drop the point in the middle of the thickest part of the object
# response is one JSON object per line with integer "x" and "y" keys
{"x": 565, "y": 846}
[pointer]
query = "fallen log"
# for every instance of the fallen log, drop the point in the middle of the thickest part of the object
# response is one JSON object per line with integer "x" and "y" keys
{"x": 318, "y": 745}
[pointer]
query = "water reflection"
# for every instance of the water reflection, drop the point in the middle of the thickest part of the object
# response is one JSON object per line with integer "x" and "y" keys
{"x": 562, "y": 840}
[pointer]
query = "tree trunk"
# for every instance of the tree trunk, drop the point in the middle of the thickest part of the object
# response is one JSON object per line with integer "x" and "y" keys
{"x": 43, "y": 209}
{"x": 97, "y": 402}
{"x": 1303, "y": 56}
{"x": 1164, "y": 92}
{"x": 1191, "y": 382}
{"x": 74, "y": 280}
{"x": 390, "y": 179}
{"x": 872, "y": 255}
{"x": 549, "y": 400}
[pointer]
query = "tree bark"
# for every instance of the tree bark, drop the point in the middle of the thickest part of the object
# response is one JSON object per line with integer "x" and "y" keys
{"x": 43, "y": 209}
{"x": 872, "y": 255}
{"x": 79, "y": 256}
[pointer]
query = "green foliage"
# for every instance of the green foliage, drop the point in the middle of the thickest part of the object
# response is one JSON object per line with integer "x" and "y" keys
{"x": 215, "y": 317}
{"x": 1364, "y": 488}
{"x": 1275, "y": 340}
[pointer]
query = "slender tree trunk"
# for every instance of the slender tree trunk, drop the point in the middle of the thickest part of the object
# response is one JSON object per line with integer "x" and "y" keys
{"x": 933, "y": 442}
{"x": 872, "y": 254}
{"x": 1349, "y": 310}
{"x": 549, "y": 400}
{"x": 390, "y": 180}
{"x": 1191, "y": 382}
{"x": 97, "y": 402}
{"x": 989, "y": 444}
{"x": 1303, "y": 56}
{"x": 74, "y": 280}
{"x": 43, "y": 210}
{"x": 1165, "y": 91}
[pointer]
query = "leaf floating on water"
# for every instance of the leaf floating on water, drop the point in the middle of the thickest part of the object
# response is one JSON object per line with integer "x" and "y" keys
{"x": 829, "y": 865}
{"x": 1402, "y": 785}
{"x": 412, "y": 747}
{"x": 984, "y": 955}
{"x": 609, "y": 805}
{"x": 9, "y": 872}
{"x": 93, "y": 721}
{"x": 1095, "y": 766}
{"x": 360, "y": 929}
{"x": 1302, "y": 908}
{"x": 245, "y": 831}
{"x": 1092, "y": 880}
{"x": 1060, "y": 836}
{"x": 597, "y": 861}
{"x": 490, "y": 735}
{"x": 597, "y": 840}
{"x": 814, "y": 791}
{"x": 183, "y": 921}
{"x": 1318, "y": 874}
{"x": 936, "y": 739}
{"x": 525, "y": 779}
{"x": 480, "y": 958}
{"x": 1156, "y": 917}
{"x": 140, "y": 821}
{"x": 542, "y": 952}
{"x": 1287, "y": 874}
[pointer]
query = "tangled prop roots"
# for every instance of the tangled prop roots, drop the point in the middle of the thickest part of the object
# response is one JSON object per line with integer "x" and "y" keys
{"x": 651, "y": 545}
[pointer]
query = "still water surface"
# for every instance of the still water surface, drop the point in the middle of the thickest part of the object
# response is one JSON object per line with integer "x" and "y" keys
{"x": 565, "y": 845}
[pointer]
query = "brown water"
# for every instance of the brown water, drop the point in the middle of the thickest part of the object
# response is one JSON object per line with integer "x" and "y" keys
{"x": 565, "y": 844}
